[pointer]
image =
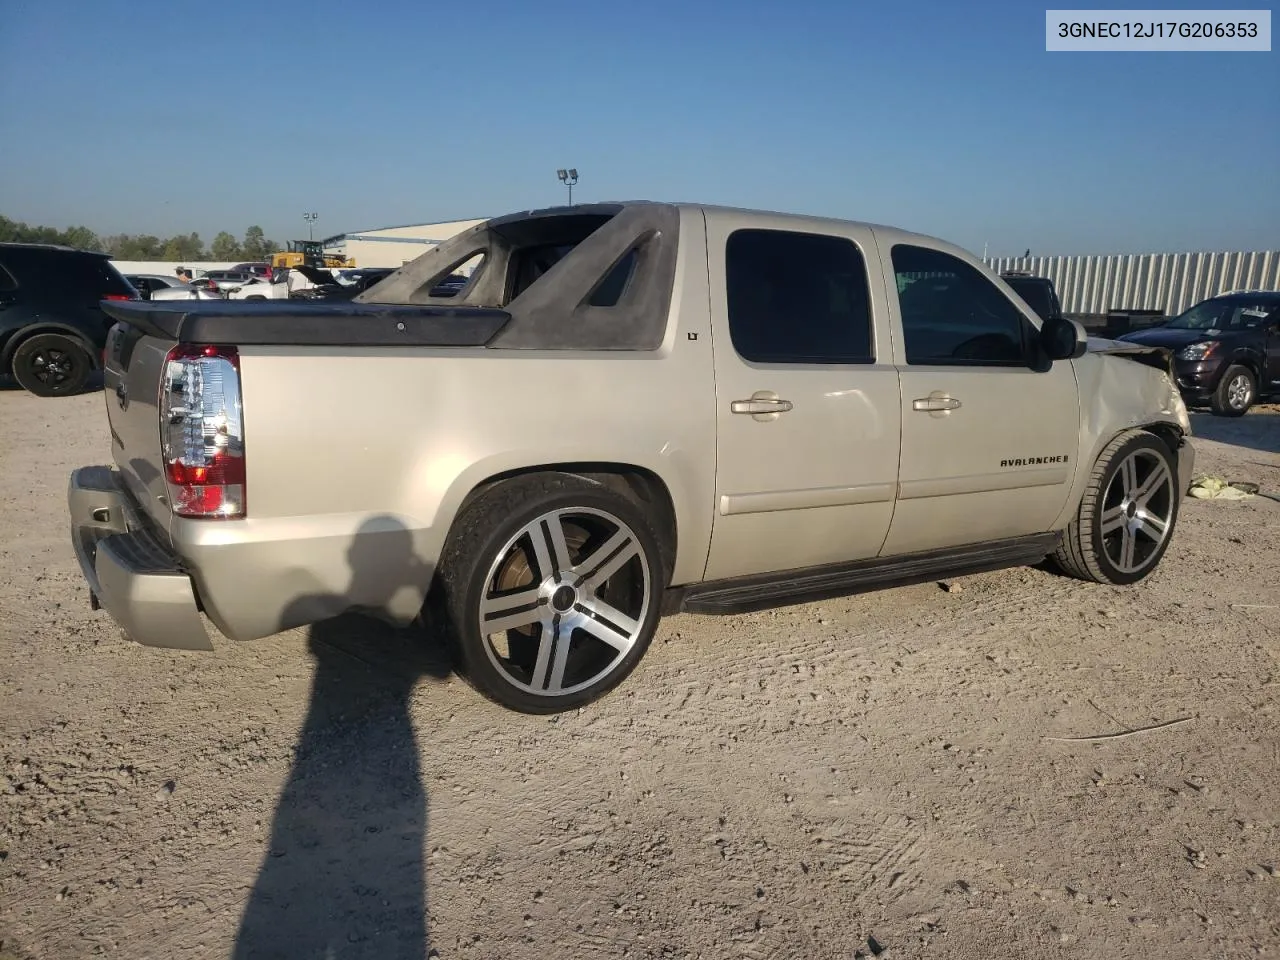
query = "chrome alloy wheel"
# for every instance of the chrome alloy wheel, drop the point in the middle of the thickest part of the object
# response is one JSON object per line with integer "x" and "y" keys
{"x": 1137, "y": 510}
{"x": 565, "y": 600}
{"x": 1239, "y": 392}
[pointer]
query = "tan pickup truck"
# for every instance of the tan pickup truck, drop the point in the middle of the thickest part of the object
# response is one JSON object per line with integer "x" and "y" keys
{"x": 629, "y": 409}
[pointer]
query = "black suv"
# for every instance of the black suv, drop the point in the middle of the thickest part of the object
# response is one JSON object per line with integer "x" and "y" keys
{"x": 52, "y": 326}
{"x": 1226, "y": 350}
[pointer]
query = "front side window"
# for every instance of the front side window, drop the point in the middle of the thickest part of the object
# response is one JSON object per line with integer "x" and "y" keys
{"x": 952, "y": 314}
{"x": 797, "y": 298}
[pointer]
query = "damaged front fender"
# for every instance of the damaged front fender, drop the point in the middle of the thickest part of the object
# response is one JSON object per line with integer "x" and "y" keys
{"x": 1153, "y": 356}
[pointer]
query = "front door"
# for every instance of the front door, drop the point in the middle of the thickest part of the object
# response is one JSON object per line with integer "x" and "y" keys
{"x": 807, "y": 396}
{"x": 1271, "y": 375}
{"x": 989, "y": 435}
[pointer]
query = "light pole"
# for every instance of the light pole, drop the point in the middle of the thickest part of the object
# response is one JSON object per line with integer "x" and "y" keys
{"x": 568, "y": 178}
{"x": 311, "y": 219}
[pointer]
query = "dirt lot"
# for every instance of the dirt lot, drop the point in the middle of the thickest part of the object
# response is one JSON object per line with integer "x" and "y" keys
{"x": 887, "y": 773}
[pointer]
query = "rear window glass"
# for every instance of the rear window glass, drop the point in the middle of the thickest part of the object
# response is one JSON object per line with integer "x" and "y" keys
{"x": 75, "y": 275}
{"x": 6, "y": 279}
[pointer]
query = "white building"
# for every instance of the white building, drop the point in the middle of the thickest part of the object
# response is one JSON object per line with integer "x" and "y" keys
{"x": 394, "y": 246}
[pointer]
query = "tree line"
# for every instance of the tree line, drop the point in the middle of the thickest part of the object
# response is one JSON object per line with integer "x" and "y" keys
{"x": 126, "y": 246}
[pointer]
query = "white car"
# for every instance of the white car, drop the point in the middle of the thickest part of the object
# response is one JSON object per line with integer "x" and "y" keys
{"x": 157, "y": 286}
{"x": 225, "y": 280}
{"x": 285, "y": 284}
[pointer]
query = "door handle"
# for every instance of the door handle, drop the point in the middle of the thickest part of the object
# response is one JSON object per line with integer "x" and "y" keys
{"x": 760, "y": 406}
{"x": 763, "y": 406}
{"x": 935, "y": 403}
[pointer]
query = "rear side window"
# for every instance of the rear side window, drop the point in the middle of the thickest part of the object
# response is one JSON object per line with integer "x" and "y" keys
{"x": 797, "y": 298}
{"x": 614, "y": 284}
{"x": 75, "y": 276}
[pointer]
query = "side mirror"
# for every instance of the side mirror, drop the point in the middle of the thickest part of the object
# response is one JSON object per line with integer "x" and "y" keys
{"x": 1063, "y": 339}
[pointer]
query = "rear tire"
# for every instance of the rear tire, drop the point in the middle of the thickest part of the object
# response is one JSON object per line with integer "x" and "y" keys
{"x": 1236, "y": 392}
{"x": 550, "y": 591}
{"x": 51, "y": 365}
{"x": 1127, "y": 514}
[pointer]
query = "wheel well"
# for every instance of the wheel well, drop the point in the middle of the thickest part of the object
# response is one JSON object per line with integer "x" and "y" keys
{"x": 1169, "y": 434}
{"x": 1250, "y": 363}
{"x": 22, "y": 334}
{"x": 643, "y": 487}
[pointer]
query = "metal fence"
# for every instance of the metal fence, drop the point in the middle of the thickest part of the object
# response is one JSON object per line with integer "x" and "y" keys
{"x": 1169, "y": 282}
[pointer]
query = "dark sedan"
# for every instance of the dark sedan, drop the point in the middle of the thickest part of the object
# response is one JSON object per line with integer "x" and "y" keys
{"x": 1226, "y": 350}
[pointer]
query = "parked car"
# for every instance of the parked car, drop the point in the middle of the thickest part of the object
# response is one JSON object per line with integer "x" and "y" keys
{"x": 224, "y": 279}
{"x": 52, "y": 326}
{"x": 1226, "y": 349}
{"x": 158, "y": 286}
{"x": 261, "y": 288}
{"x": 260, "y": 270}
{"x": 631, "y": 409}
{"x": 146, "y": 283}
{"x": 186, "y": 291}
{"x": 328, "y": 285}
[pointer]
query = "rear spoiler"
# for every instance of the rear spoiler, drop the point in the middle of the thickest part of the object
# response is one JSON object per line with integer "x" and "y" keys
{"x": 310, "y": 323}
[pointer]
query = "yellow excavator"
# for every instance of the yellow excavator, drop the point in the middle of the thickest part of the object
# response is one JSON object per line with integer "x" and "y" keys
{"x": 309, "y": 253}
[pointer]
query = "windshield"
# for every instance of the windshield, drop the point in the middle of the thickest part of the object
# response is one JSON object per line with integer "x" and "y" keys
{"x": 1223, "y": 315}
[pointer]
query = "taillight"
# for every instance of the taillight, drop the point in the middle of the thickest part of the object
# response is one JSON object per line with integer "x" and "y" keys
{"x": 202, "y": 431}
{"x": 117, "y": 296}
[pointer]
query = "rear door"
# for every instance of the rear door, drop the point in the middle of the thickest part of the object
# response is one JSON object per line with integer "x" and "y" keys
{"x": 806, "y": 392}
{"x": 989, "y": 435}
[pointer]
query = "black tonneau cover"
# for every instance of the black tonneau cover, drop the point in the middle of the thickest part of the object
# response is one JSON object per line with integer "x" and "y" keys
{"x": 306, "y": 323}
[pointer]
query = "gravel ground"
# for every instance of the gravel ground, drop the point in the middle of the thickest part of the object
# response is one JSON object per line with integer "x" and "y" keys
{"x": 892, "y": 775}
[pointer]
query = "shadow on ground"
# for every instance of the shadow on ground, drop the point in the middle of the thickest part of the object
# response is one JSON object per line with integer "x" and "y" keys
{"x": 93, "y": 386}
{"x": 343, "y": 876}
{"x": 1257, "y": 430}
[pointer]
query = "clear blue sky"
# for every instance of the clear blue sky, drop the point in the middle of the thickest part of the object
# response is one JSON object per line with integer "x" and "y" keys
{"x": 948, "y": 118}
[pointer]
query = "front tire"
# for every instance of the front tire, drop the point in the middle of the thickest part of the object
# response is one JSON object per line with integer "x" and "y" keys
{"x": 551, "y": 591}
{"x": 1236, "y": 392}
{"x": 51, "y": 365}
{"x": 1127, "y": 513}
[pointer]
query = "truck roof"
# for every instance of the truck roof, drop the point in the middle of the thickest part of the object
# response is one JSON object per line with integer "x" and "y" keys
{"x": 748, "y": 216}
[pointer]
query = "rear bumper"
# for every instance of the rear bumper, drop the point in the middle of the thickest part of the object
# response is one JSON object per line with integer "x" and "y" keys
{"x": 131, "y": 573}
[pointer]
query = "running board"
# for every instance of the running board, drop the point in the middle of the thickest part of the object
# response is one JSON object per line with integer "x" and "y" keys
{"x": 763, "y": 591}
